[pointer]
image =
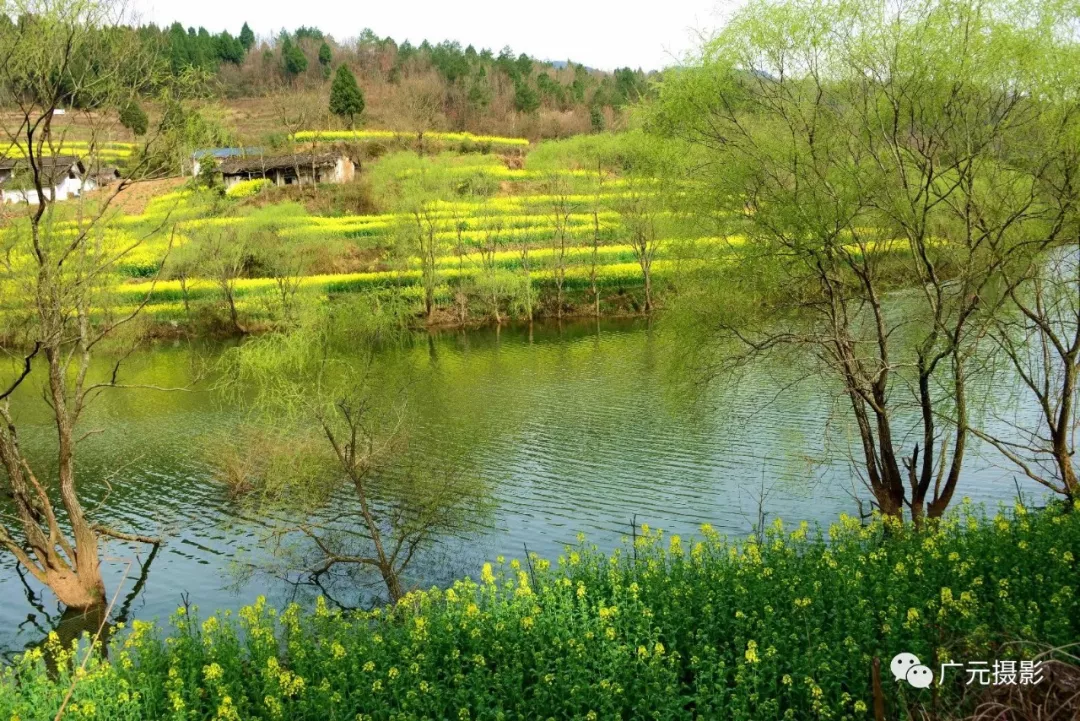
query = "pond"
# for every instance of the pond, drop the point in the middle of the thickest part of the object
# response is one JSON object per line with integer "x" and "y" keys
{"x": 578, "y": 428}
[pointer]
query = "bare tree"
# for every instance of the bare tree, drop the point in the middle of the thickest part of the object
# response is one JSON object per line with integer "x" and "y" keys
{"x": 489, "y": 246}
{"x": 224, "y": 252}
{"x": 77, "y": 54}
{"x": 640, "y": 218}
{"x": 558, "y": 188}
{"x": 286, "y": 260}
{"x": 420, "y": 105}
{"x": 594, "y": 258}
{"x": 526, "y": 272}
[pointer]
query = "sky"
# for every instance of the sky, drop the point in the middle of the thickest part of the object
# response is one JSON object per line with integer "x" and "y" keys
{"x": 602, "y": 34}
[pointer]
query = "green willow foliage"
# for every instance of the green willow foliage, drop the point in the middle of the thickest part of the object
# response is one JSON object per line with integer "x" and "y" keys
{"x": 784, "y": 626}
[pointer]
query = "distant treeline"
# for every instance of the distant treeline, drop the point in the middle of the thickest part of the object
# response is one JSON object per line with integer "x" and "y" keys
{"x": 470, "y": 82}
{"x": 455, "y": 88}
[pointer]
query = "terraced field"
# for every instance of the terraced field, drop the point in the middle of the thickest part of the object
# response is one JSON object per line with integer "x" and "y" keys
{"x": 109, "y": 152}
{"x": 485, "y": 238}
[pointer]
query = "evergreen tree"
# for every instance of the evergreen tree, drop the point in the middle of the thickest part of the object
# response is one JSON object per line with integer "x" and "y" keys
{"x": 581, "y": 79}
{"x": 325, "y": 56}
{"x": 179, "y": 56}
{"x": 596, "y": 118}
{"x": 134, "y": 118}
{"x": 479, "y": 90}
{"x": 247, "y": 37}
{"x": 525, "y": 98}
{"x": 524, "y": 65}
{"x": 229, "y": 49}
{"x": 304, "y": 32}
{"x": 346, "y": 98}
{"x": 293, "y": 58}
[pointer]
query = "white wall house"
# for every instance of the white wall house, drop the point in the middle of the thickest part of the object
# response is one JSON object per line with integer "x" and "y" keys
{"x": 63, "y": 177}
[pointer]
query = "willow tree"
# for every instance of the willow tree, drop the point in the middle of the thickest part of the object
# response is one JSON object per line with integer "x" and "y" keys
{"x": 344, "y": 422}
{"x": 855, "y": 148}
{"x": 413, "y": 187}
{"x": 1038, "y": 330}
{"x": 57, "y": 264}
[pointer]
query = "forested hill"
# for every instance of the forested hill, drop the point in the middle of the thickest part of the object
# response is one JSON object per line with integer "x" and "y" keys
{"x": 441, "y": 85}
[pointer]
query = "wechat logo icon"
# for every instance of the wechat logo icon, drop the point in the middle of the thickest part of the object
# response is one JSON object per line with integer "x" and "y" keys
{"x": 906, "y": 667}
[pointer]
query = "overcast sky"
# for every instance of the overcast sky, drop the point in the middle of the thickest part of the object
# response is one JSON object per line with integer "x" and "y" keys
{"x": 603, "y": 34}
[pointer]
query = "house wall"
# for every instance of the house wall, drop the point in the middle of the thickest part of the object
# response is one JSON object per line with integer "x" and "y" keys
{"x": 343, "y": 171}
{"x": 69, "y": 188}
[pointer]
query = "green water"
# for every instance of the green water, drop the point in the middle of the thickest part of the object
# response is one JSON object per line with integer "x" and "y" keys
{"x": 575, "y": 428}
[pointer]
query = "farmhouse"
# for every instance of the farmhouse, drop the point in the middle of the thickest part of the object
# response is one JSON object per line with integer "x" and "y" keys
{"x": 301, "y": 168}
{"x": 63, "y": 176}
{"x": 216, "y": 155}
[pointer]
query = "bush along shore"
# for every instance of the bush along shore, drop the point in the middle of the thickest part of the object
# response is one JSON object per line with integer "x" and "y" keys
{"x": 785, "y": 625}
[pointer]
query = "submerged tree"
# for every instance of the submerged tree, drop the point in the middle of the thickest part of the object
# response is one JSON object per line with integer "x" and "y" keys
{"x": 59, "y": 261}
{"x": 1039, "y": 335}
{"x": 351, "y": 417}
{"x": 854, "y": 149}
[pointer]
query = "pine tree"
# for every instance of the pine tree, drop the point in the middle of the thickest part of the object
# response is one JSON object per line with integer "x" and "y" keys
{"x": 346, "y": 98}
{"x": 293, "y": 58}
{"x": 325, "y": 56}
{"x": 596, "y": 118}
{"x": 526, "y": 99}
{"x": 247, "y": 37}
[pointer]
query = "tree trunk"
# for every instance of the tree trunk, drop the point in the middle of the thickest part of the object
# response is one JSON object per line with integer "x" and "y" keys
{"x": 647, "y": 272}
{"x": 393, "y": 583}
